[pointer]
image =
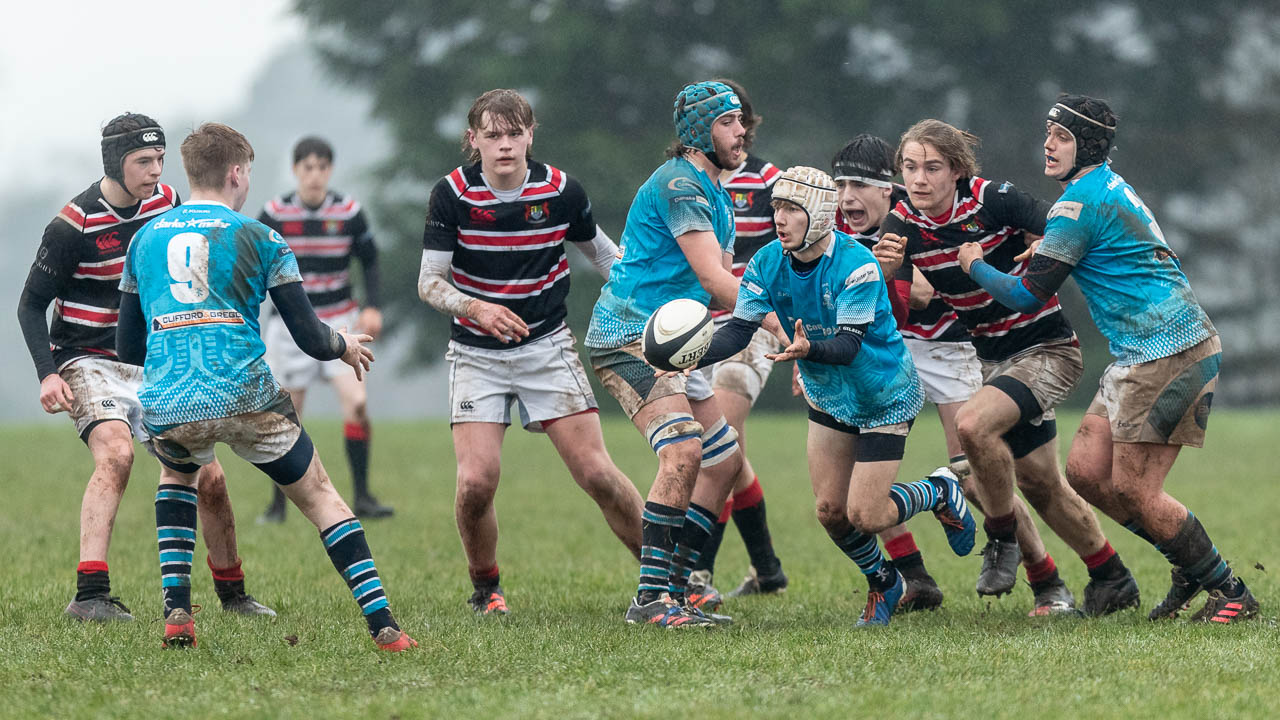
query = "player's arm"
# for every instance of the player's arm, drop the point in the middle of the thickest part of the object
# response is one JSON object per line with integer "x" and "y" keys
{"x": 366, "y": 251}
{"x": 131, "y": 330}
{"x": 601, "y": 251}
{"x": 891, "y": 249}
{"x": 752, "y": 308}
{"x": 1025, "y": 294}
{"x": 54, "y": 264}
{"x": 921, "y": 291}
{"x": 706, "y": 259}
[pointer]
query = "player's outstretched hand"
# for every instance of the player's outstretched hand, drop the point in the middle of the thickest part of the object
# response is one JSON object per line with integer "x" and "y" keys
{"x": 798, "y": 348}
{"x": 889, "y": 251}
{"x": 498, "y": 321}
{"x": 358, "y": 355}
{"x": 1031, "y": 250}
{"x": 55, "y": 394}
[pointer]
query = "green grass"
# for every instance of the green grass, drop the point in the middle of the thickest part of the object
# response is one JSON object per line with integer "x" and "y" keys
{"x": 564, "y": 651}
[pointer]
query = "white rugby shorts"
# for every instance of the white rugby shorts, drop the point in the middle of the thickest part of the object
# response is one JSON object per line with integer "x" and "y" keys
{"x": 294, "y": 369}
{"x": 104, "y": 389}
{"x": 949, "y": 371}
{"x": 746, "y": 372}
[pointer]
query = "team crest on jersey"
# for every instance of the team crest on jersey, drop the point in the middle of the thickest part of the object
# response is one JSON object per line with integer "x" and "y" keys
{"x": 971, "y": 227}
{"x": 535, "y": 212}
{"x": 332, "y": 227}
{"x": 742, "y": 199}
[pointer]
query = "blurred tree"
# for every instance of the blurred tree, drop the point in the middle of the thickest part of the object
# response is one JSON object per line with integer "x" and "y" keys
{"x": 601, "y": 76}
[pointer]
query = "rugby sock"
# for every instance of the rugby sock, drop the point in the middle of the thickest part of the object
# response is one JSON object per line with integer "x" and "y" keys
{"x": 92, "y": 580}
{"x": 863, "y": 550}
{"x": 1043, "y": 574}
{"x": 484, "y": 578}
{"x": 349, "y": 552}
{"x": 693, "y": 535}
{"x": 1105, "y": 564}
{"x": 707, "y": 561}
{"x": 913, "y": 497}
{"x": 176, "y": 533}
{"x": 904, "y": 553}
{"x": 356, "y": 436}
{"x": 753, "y": 525}
{"x": 228, "y": 582}
{"x": 1193, "y": 551}
{"x": 658, "y": 526}
{"x": 1001, "y": 528}
{"x": 1135, "y": 526}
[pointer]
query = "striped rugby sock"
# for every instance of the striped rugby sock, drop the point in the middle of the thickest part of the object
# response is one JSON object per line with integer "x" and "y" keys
{"x": 913, "y": 497}
{"x": 699, "y": 523}
{"x": 176, "y": 535}
{"x": 864, "y": 551}
{"x": 659, "y": 525}
{"x": 1193, "y": 551}
{"x": 349, "y": 552}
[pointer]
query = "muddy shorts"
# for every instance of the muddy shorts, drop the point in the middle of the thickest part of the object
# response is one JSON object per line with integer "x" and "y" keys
{"x": 949, "y": 371}
{"x": 294, "y": 369}
{"x": 1164, "y": 401}
{"x": 1037, "y": 379}
{"x": 543, "y": 379}
{"x": 630, "y": 380}
{"x": 746, "y": 372}
{"x": 104, "y": 389}
{"x": 260, "y": 437}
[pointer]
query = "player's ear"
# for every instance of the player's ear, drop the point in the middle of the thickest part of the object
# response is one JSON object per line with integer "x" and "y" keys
{"x": 471, "y": 139}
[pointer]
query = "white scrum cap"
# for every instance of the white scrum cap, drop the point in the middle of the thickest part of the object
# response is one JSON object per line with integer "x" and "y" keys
{"x": 815, "y": 192}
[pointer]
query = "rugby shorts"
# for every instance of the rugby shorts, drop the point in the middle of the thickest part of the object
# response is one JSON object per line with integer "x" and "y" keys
{"x": 746, "y": 372}
{"x": 1164, "y": 401}
{"x": 949, "y": 371}
{"x": 1037, "y": 379}
{"x": 294, "y": 369}
{"x": 875, "y": 444}
{"x": 104, "y": 389}
{"x": 261, "y": 436}
{"x": 543, "y": 379}
{"x": 630, "y": 380}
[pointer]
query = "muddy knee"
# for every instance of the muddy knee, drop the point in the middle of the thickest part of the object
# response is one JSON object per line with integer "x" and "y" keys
{"x": 832, "y": 518}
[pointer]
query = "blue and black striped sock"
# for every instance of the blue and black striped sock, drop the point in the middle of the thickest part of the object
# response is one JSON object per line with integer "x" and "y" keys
{"x": 1193, "y": 551}
{"x": 176, "y": 533}
{"x": 658, "y": 527}
{"x": 914, "y": 497}
{"x": 699, "y": 523}
{"x": 863, "y": 550}
{"x": 349, "y": 552}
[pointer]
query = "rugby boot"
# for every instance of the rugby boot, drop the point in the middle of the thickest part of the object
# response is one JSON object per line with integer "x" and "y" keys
{"x": 1181, "y": 592}
{"x": 757, "y": 584}
{"x": 665, "y": 613}
{"x": 953, "y": 512}
{"x": 489, "y": 601}
{"x": 922, "y": 592}
{"x": 1000, "y": 559}
{"x": 1053, "y": 598}
{"x": 882, "y": 604}
{"x": 367, "y": 507}
{"x": 1103, "y": 596}
{"x": 1225, "y": 610}
{"x": 244, "y": 604}
{"x": 393, "y": 640}
{"x": 179, "y": 629}
{"x": 701, "y": 594}
{"x": 106, "y": 608}
{"x": 716, "y": 618}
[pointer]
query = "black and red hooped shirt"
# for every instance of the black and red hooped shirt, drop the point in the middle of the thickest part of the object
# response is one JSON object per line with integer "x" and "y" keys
{"x": 509, "y": 253}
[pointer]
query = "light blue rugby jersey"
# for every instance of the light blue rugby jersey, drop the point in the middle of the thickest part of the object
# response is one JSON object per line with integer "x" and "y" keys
{"x": 676, "y": 199}
{"x": 1133, "y": 283}
{"x": 880, "y": 387}
{"x": 201, "y": 272}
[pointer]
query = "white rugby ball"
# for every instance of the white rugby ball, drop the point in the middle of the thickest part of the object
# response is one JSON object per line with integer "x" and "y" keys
{"x": 677, "y": 335}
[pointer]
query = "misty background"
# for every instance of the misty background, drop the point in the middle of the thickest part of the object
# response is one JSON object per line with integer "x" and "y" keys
{"x": 1197, "y": 91}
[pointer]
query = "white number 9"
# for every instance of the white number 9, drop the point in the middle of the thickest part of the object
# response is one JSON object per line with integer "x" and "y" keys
{"x": 189, "y": 267}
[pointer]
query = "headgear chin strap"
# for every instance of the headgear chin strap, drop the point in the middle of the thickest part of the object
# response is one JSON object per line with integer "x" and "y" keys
{"x": 815, "y": 193}
{"x": 1093, "y": 135}
{"x": 696, "y": 108}
{"x": 117, "y": 146}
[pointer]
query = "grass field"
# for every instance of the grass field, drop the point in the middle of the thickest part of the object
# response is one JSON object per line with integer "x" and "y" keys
{"x": 564, "y": 651}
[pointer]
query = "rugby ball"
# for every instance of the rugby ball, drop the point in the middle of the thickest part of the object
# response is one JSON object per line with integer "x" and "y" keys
{"x": 677, "y": 335}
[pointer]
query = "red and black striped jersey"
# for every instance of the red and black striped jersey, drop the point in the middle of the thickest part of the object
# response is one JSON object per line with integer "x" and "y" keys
{"x": 750, "y": 190}
{"x": 998, "y": 217}
{"x": 509, "y": 253}
{"x": 78, "y": 265}
{"x": 324, "y": 239}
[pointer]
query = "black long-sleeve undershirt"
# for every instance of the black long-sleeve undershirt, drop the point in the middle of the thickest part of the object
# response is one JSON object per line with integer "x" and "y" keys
{"x": 32, "y": 306}
{"x": 735, "y": 335}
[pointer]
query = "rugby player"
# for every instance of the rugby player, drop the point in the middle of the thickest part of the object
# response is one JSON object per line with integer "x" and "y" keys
{"x": 497, "y": 228}
{"x": 737, "y": 381}
{"x": 326, "y": 229}
{"x": 191, "y": 285}
{"x": 677, "y": 243}
{"x": 78, "y": 269}
{"x": 858, "y": 379}
{"x": 1030, "y": 361}
{"x": 948, "y": 368}
{"x": 1155, "y": 397}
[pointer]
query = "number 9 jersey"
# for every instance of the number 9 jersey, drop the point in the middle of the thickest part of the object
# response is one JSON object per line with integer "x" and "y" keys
{"x": 201, "y": 272}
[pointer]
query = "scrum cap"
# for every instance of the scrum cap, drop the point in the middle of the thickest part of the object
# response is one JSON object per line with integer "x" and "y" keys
{"x": 123, "y": 135}
{"x": 696, "y": 107}
{"x": 815, "y": 193}
{"x": 1092, "y": 124}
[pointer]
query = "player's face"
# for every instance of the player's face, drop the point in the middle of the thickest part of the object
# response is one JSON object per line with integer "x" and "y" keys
{"x": 929, "y": 177}
{"x": 313, "y": 173}
{"x": 727, "y": 134}
{"x": 792, "y": 223}
{"x": 1059, "y": 151}
{"x": 864, "y": 206}
{"x": 142, "y": 170}
{"x": 504, "y": 150}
